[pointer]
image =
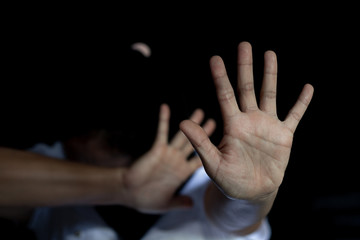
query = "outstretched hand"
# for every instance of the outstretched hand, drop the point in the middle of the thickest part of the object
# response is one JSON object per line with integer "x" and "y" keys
{"x": 250, "y": 161}
{"x": 154, "y": 178}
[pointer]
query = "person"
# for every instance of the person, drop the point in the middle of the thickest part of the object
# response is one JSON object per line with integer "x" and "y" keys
{"x": 248, "y": 166}
{"x": 173, "y": 164}
{"x": 236, "y": 187}
{"x": 35, "y": 182}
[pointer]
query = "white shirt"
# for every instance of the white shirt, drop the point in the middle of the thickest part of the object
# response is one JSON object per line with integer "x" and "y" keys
{"x": 193, "y": 224}
{"x": 83, "y": 222}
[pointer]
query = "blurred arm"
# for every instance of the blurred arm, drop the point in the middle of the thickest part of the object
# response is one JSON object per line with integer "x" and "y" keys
{"x": 30, "y": 179}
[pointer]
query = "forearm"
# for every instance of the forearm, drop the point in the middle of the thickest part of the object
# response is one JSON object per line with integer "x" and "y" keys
{"x": 236, "y": 216}
{"x": 29, "y": 179}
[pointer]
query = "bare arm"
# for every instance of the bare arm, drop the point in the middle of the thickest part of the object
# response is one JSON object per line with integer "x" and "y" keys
{"x": 248, "y": 165}
{"x": 30, "y": 179}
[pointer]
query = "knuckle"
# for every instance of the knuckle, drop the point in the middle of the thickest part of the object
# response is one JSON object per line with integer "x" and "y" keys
{"x": 226, "y": 95}
{"x": 268, "y": 94}
{"x": 246, "y": 87}
{"x": 295, "y": 115}
{"x": 249, "y": 108}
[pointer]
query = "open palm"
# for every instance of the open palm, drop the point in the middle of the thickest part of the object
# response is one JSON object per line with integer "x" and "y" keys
{"x": 154, "y": 178}
{"x": 250, "y": 161}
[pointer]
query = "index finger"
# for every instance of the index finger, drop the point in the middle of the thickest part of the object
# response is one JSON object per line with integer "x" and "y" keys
{"x": 163, "y": 125}
{"x": 224, "y": 90}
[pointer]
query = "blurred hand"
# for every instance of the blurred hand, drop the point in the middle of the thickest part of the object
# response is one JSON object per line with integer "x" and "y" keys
{"x": 154, "y": 178}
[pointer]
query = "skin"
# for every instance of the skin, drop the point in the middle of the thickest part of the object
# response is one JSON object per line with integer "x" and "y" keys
{"x": 248, "y": 164}
{"x": 164, "y": 168}
{"x": 250, "y": 161}
{"x": 30, "y": 180}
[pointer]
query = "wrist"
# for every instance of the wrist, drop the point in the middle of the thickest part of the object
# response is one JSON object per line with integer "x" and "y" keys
{"x": 110, "y": 187}
{"x": 253, "y": 198}
{"x": 117, "y": 192}
{"x": 267, "y": 198}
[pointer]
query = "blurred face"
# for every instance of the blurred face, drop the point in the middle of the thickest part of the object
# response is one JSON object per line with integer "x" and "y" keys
{"x": 94, "y": 148}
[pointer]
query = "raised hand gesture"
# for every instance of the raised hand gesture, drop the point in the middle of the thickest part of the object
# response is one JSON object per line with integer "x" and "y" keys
{"x": 154, "y": 178}
{"x": 250, "y": 161}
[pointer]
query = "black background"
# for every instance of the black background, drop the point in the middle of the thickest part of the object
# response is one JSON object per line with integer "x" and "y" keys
{"x": 67, "y": 70}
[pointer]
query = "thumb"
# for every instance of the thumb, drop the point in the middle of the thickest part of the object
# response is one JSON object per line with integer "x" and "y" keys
{"x": 198, "y": 137}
